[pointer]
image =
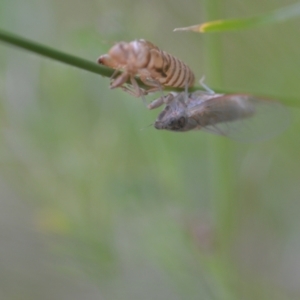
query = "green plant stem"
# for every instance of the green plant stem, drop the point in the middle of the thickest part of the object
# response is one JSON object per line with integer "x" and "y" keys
{"x": 46, "y": 51}
{"x": 220, "y": 150}
{"x": 220, "y": 163}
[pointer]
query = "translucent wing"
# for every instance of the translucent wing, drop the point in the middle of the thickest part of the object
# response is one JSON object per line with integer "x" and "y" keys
{"x": 244, "y": 118}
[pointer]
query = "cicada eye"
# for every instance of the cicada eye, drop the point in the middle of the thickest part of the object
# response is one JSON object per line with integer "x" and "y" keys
{"x": 177, "y": 124}
{"x": 181, "y": 122}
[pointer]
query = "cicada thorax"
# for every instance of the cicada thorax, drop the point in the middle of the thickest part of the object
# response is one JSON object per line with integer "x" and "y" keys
{"x": 155, "y": 68}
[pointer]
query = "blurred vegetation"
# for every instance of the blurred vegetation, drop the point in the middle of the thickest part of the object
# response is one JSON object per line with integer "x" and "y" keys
{"x": 93, "y": 205}
{"x": 276, "y": 16}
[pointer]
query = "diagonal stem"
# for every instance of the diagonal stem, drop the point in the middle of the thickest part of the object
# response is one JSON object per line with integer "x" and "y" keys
{"x": 43, "y": 50}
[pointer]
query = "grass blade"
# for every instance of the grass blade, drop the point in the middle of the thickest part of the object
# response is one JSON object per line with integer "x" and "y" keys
{"x": 273, "y": 17}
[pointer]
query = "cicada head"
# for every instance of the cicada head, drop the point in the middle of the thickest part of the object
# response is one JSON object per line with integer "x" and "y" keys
{"x": 106, "y": 60}
{"x": 174, "y": 116}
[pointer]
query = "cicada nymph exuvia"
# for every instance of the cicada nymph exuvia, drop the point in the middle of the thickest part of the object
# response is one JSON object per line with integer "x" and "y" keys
{"x": 154, "y": 67}
{"x": 241, "y": 117}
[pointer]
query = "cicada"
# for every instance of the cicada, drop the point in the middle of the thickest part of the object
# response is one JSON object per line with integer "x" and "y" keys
{"x": 238, "y": 116}
{"x": 155, "y": 68}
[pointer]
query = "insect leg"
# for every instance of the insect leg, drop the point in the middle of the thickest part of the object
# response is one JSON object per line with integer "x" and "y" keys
{"x": 119, "y": 81}
{"x": 115, "y": 73}
{"x": 135, "y": 90}
{"x": 156, "y": 103}
{"x": 207, "y": 89}
{"x": 160, "y": 101}
{"x": 186, "y": 91}
{"x": 138, "y": 92}
{"x": 155, "y": 87}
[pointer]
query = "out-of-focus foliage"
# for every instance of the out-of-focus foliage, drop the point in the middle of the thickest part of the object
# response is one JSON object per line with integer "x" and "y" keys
{"x": 136, "y": 213}
{"x": 274, "y": 17}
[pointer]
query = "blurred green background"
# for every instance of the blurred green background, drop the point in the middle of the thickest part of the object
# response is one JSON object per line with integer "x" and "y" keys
{"x": 93, "y": 207}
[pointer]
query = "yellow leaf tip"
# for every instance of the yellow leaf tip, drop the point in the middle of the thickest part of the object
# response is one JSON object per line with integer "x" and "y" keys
{"x": 180, "y": 29}
{"x": 202, "y": 28}
{"x": 190, "y": 28}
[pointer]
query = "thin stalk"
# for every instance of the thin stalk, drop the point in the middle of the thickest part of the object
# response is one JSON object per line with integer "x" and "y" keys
{"x": 46, "y": 51}
{"x": 222, "y": 191}
{"x": 221, "y": 166}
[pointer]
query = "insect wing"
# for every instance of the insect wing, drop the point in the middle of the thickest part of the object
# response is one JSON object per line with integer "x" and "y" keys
{"x": 244, "y": 118}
